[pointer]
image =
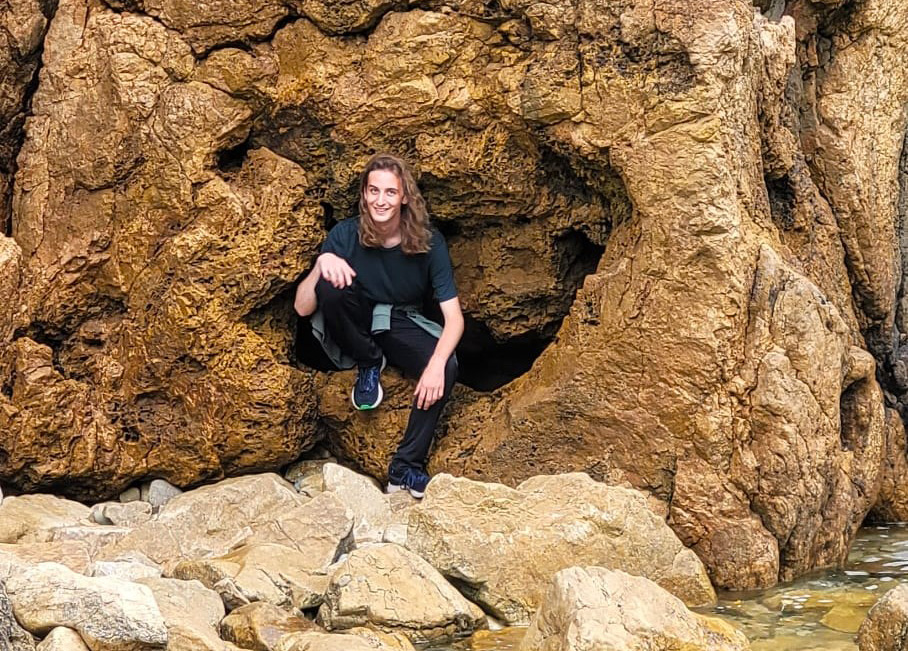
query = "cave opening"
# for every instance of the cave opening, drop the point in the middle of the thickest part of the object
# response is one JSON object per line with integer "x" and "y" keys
{"x": 231, "y": 160}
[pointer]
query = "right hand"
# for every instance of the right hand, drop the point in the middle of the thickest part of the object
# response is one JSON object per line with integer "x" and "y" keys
{"x": 335, "y": 270}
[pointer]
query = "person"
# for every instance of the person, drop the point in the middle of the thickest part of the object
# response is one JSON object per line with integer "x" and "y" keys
{"x": 365, "y": 294}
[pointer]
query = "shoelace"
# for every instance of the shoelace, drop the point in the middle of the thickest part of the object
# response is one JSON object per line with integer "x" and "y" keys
{"x": 369, "y": 378}
{"x": 413, "y": 477}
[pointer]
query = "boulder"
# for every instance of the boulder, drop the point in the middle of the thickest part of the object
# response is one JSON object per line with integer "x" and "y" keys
{"x": 191, "y": 613}
{"x": 95, "y": 536}
{"x": 62, "y": 639}
{"x": 504, "y": 545}
{"x": 158, "y": 492}
{"x": 33, "y": 518}
{"x": 312, "y": 641}
{"x": 259, "y": 626}
{"x": 74, "y": 554}
{"x": 12, "y": 636}
{"x": 279, "y": 575}
{"x": 109, "y": 614}
{"x": 128, "y": 514}
{"x": 212, "y": 520}
{"x": 591, "y": 608}
{"x": 128, "y": 570}
{"x": 390, "y": 589}
{"x": 365, "y": 500}
{"x": 886, "y": 624}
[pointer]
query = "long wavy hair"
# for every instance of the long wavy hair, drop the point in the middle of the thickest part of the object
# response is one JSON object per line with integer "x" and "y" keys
{"x": 415, "y": 236}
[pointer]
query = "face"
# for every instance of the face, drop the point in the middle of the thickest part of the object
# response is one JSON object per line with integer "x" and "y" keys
{"x": 384, "y": 196}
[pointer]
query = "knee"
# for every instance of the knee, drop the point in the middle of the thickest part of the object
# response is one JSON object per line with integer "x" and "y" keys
{"x": 328, "y": 295}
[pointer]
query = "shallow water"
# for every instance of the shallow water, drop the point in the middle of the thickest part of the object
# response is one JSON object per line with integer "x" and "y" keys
{"x": 821, "y": 612}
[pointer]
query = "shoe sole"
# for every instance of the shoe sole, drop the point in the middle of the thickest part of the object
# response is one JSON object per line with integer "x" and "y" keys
{"x": 394, "y": 488}
{"x": 381, "y": 392}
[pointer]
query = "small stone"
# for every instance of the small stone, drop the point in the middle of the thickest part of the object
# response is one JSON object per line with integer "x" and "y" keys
{"x": 130, "y": 514}
{"x": 131, "y": 495}
{"x": 62, "y": 639}
{"x": 158, "y": 492}
{"x": 97, "y": 513}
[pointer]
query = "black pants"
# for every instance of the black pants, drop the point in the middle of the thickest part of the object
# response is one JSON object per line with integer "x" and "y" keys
{"x": 348, "y": 319}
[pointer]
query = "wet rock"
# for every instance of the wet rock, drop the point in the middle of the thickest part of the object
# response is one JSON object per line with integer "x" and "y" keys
{"x": 504, "y": 545}
{"x": 596, "y": 608}
{"x": 34, "y": 518}
{"x": 259, "y": 626}
{"x": 886, "y": 623}
{"x": 212, "y": 520}
{"x": 388, "y": 588}
{"x": 109, "y": 614}
{"x": 261, "y": 572}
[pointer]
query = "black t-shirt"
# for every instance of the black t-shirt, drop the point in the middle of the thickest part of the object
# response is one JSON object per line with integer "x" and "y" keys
{"x": 390, "y": 275}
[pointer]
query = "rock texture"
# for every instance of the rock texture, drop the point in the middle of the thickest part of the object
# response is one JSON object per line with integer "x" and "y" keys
{"x": 390, "y": 589}
{"x": 695, "y": 211}
{"x": 12, "y": 636}
{"x": 593, "y": 608}
{"x": 259, "y": 626}
{"x": 503, "y": 546}
{"x": 886, "y": 625}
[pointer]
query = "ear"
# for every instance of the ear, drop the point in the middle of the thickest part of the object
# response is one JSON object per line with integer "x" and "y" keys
{"x": 405, "y": 199}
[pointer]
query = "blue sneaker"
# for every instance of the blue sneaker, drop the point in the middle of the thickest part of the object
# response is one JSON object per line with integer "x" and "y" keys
{"x": 413, "y": 479}
{"x": 367, "y": 392}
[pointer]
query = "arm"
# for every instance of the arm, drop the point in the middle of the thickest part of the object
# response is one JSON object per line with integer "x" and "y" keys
{"x": 305, "y": 302}
{"x": 431, "y": 385}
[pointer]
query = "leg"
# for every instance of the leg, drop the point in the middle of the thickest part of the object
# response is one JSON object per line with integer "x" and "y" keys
{"x": 409, "y": 347}
{"x": 348, "y": 319}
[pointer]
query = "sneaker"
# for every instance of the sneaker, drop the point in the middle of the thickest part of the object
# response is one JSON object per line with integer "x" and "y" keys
{"x": 367, "y": 392}
{"x": 413, "y": 479}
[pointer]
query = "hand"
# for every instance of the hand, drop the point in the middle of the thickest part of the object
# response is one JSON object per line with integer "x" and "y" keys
{"x": 431, "y": 385}
{"x": 335, "y": 270}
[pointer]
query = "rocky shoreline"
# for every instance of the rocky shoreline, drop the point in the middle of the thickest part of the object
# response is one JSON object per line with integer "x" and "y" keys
{"x": 322, "y": 560}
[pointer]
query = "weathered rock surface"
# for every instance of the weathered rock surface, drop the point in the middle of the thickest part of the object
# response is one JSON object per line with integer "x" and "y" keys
{"x": 12, "y": 636}
{"x": 696, "y": 210}
{"x": 369, "y": 505}
{"x": 34, "y": 518}
{"x": 259, "y": 626}
{"x": 62, "y": 639}
{"x": 504, "y": 545}
{"x": 261, "y": 572}
{"x": 109, "y": 614}
{"x": 334, "y": 642}
{"x": 191, "y": 613}
{"x": 74, "y": 554}
{"x": 212, "y": 520}
{"x": 592, "y": 608}
{"x": 129, "y": 514}
{"x": 390, "y": 589}
{"x": 886, "y": 625}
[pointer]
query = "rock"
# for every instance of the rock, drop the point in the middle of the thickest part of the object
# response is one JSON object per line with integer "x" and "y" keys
{"x": 595, "y": 608}
{"x": 74, "y": 554}
{"x": 129, "y": 514}
{"x": 132, "y": 494}
{"x": 10, "y": 277}
{"x": 128, "y": 570}
{"x": 96, "y": 536}
{"x": 381, "y": 640}
{"x": 504, "y": 545}
{"x": 212, "y": 520}
{"x": 365, "y": 500}
{"x": 33, "y": 518}
{"x": 312, "y": 641}
{"x": 191, "y": 612}
{"x": 306, "y": 476}
{"x": 390, "y": 589}
{"x": 62, "y": 639}
{"x": 259, "y": 626}
{"x": 892, "y": 503}
{"x": 158, "y": 492}
{"x": 12, "y": 636}
{"x": 268, "y": 572}
{"x": 886, "y": 623}
{"x": 109, "y": 614}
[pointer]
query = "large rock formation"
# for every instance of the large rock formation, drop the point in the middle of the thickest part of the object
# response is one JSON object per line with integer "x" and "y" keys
{"x": 698, "y": 207}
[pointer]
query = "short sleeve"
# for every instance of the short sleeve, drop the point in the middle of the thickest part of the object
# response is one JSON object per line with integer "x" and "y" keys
{"x": 341, "y": 239}
{"x": 440, "y": 270}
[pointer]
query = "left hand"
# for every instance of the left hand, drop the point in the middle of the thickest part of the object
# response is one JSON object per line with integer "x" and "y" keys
{"x": 431, "y": 385}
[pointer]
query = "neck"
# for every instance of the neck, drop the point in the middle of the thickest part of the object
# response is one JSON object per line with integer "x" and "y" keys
{"x": 389, "y": 233}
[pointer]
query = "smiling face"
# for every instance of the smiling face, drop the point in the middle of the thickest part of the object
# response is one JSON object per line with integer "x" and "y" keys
{"x": 384, "y": 196}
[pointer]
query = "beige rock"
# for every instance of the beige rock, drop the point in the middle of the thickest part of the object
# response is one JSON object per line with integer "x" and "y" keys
{"x": 311, "y": 641}
{"x": 365, "y": 500}
{"x": 390, "y": 589}
{"x": 594, "y": 608}
{"x": 128, "y": 514}
{"x": 34, "y": 518}
{"x": 74, "y": 554}
{"x": 128, "y": 570}
{"x": 191, "y": 612}
{"x": 62, "y": 639}
{"x": 382, "y": 640}
{"x": 12, "y": 636}
{"x": 109, "y": 614}
{"x": 96, "y": 536}
{"x": 212, "y": 520}
{"x": 306, "y": 476}
{"x": 259, "y": 626}
{"x": 883, "y": 629}
{"x": 504, "y": 545}
{"x": 261, "y": 572}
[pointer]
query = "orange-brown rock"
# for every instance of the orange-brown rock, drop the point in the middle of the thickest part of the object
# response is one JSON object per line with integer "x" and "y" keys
{"x": 695, "y": 206}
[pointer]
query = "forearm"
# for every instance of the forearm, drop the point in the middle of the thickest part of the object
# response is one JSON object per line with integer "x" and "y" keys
{"x": 306, "y": 302}
{"x": 450, "y": 337}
